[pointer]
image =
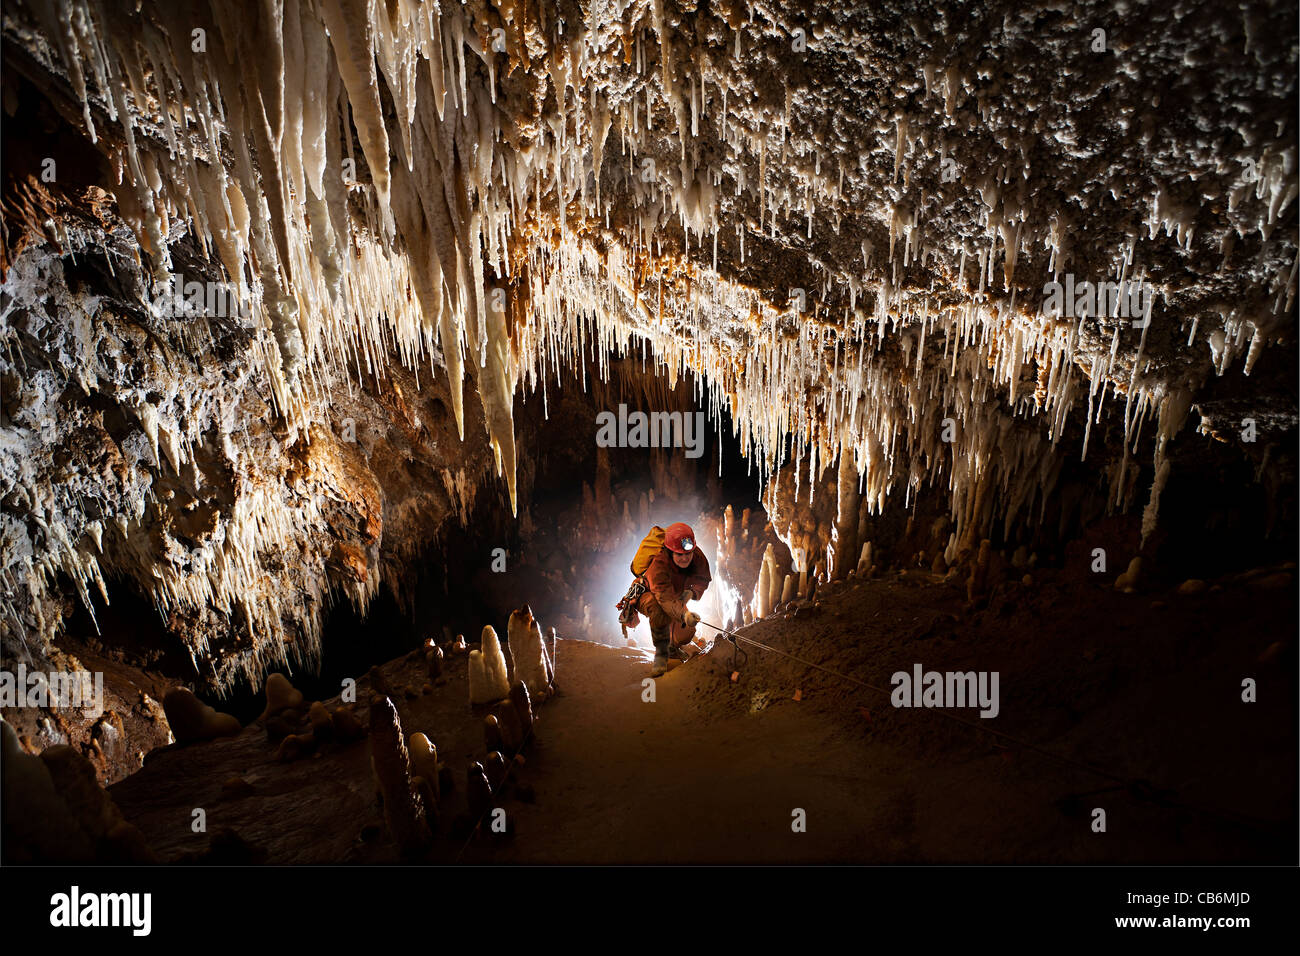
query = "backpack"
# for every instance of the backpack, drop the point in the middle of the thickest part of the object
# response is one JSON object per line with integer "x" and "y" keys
{"x": 646, "y": 551}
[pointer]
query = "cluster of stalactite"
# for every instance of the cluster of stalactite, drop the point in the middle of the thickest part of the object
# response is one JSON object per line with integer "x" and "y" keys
{"x": 490, "y": 192}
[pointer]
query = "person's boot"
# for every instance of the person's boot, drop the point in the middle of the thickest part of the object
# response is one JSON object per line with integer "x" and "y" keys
{"x": 662, "y": 644}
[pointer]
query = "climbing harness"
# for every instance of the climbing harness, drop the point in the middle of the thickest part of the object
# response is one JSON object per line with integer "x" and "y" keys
{"x": 627, "y": 613}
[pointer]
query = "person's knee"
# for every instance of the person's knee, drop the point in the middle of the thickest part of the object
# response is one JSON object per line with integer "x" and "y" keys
{"x": 660, "y": 619}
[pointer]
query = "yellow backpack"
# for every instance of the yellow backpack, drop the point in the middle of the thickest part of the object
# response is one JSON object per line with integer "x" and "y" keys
{"x": 650, "y": 546}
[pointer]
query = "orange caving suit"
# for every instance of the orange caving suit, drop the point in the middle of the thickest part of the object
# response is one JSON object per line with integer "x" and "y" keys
{"x": 662, "y": 602}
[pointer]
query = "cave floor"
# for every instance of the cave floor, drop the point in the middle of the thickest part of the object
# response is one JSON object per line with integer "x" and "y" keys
{"x": 1145, "y": 686}
{"x": 1142, "y": 686}
{"x": 622, "y": 780}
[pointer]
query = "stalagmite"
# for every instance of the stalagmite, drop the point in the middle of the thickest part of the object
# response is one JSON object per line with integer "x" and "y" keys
{"x": 478, "y": 690}
{"x": 191, "y": 719}
{"x": 512, "y": 732}
{"x": 280, "y": 695}
{"x": 322, "y": 725}
{"x": 424, "y": 761}
{"x": 865, "y": 558}
{"x": 763, "y": 593}
{"x": 67, "y": 817}
{"x": 427, "y": 792}
{"x": 433, "y": 659}
{"x": 403, "y": 809}
{"x": 478, "y": 791}
{"x": 488, "y": 681}
{"x": 53, "y": 833}
{"x": 346, "y": 726}
{"x": 528, "y": 651}
{"x": 492, "y": 739}
{"x": 519, "y": 696}
{"x": 1129, "y": 580}
{"x": 496, "y": 768}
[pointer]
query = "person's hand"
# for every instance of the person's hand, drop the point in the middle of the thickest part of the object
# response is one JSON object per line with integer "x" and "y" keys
{"x": 691, "y": 619}
{"x": 688, "y": 595}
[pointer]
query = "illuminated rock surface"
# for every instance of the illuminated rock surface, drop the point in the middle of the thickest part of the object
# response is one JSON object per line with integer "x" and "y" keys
{"x": 837, "y": 227}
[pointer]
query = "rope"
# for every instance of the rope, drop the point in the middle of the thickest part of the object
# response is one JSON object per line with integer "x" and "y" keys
{"x": 1140, "y": 788}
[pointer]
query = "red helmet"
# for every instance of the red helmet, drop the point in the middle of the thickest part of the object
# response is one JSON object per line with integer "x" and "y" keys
{"x": 679, "y": 538}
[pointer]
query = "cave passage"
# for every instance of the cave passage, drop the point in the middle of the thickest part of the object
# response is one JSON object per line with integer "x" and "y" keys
{"x": 752, "y": 754}
{"x": 350, "y": 350}
{"x": 567, "y": 558}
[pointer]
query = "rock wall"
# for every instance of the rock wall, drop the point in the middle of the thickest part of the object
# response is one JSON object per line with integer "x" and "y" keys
{"x": 840, "y": 224}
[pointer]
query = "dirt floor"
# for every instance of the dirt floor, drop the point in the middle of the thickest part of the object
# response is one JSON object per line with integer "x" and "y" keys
{"x": 1146, "y": 687}
{"x": 322, "y": 808}
{"x": 714, "y": 770}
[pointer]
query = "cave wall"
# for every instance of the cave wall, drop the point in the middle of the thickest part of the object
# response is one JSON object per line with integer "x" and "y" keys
{"x": 162, "y": 465}
{"x": 835, "y": 222}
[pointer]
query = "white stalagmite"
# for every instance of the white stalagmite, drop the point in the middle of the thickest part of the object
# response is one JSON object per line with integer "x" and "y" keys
{"x": 763, "y": 592}
{"x": 488, "y": 680}
{"x": 528, "y": 651}
{"x": 864, "y": 559}
{"x": 774, "y": 578}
